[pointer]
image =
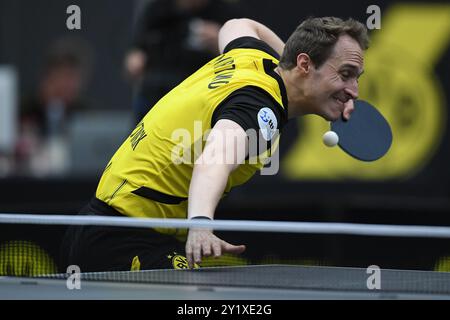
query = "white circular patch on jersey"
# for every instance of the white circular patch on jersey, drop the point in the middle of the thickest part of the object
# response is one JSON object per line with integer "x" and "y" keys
{"x": 268, "y": 123}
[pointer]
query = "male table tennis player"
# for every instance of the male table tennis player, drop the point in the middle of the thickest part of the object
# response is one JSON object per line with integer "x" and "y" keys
{"x": 257, "y": 80}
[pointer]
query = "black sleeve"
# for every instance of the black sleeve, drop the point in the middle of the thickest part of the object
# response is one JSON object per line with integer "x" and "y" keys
{"x": 251, "y": 43}
{"x": 252, "y": 108}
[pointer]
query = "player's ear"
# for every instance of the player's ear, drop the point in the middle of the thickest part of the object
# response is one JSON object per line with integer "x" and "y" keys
{"x": 304, "y": 63}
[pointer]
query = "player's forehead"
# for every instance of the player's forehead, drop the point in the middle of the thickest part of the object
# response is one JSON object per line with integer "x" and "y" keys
{"x": 347, "y": 53}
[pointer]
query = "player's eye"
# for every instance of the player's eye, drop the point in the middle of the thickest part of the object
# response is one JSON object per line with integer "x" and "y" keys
{"x": 345, "y": 75}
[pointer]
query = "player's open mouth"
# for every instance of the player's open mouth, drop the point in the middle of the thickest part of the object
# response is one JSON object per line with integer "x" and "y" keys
{"x": 340, "y": 102}
{"x": 340, "y": 99}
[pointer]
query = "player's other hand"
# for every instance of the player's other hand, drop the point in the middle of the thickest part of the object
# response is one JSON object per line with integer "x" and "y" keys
{"x": 203, "y": 243}
{"x": 135, "y": 63}
{"x": 208, "y": 33}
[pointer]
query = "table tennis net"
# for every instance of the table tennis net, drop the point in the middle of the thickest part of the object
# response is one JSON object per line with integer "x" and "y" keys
{"x": 283, "y": 277}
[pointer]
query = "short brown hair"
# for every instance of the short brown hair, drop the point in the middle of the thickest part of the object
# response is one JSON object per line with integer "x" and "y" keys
{"x": 317, "y": 37}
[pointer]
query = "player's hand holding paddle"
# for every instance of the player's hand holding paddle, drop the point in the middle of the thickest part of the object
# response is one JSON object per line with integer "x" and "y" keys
{"x": 366, "y": 135}
{"x": 349, "y": 108}
{"x": 203, "y": 243}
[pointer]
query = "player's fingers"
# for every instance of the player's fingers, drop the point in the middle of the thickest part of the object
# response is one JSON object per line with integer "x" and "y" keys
{"x": 206, "y": 248}
{"x": 349, "y": 107}
{"x": 217, "y": 249}
{"x": 237, "y": 249}
{"x": 197, "y": 253}
{"x": 230, "y": 248}
{"x": 189, "y": 256}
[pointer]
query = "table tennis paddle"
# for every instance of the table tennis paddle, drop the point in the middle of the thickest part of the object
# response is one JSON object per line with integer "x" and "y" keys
{"x": 367, "y": 135}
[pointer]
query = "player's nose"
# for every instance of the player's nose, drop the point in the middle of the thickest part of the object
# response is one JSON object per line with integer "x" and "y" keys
{"x": 352, "y": 91}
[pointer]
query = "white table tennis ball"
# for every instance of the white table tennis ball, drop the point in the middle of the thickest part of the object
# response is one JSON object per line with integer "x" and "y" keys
{"x": 330, "y": 138}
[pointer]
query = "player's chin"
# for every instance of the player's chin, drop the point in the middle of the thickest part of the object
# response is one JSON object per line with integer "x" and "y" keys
{"x": 335, "y": 117}
{"x": 332, "y": 114}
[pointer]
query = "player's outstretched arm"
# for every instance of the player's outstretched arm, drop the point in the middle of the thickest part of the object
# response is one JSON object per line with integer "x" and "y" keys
{"x": 244, "y": 27}
{"x": 224, "y": 151}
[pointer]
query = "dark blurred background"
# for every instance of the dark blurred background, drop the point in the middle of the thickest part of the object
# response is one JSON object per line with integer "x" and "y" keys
{"x": 69, "y": 97}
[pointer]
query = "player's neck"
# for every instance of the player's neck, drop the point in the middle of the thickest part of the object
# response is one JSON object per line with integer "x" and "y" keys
{"x": 296, "y": 99}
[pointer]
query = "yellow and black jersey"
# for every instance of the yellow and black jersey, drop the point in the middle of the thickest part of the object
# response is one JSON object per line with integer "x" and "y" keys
{"x": 150, "y": 174}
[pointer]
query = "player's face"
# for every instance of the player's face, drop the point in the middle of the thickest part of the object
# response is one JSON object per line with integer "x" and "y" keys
{"x": 336, "y": 80}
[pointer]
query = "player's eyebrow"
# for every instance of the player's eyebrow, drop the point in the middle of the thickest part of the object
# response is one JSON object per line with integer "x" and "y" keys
{"x": 354, "y": 68}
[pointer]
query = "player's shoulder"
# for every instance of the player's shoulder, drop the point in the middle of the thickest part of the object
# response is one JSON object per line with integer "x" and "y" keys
{"x": 248, "y": 42}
